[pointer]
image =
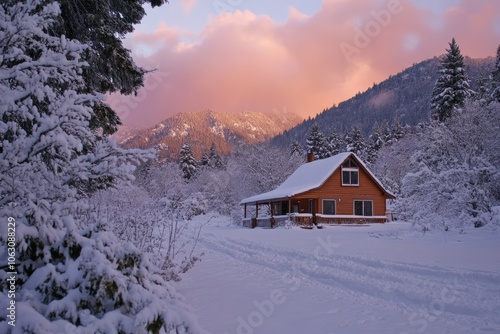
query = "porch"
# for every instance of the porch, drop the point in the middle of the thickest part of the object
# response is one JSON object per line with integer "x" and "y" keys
{"x": 279, "y": 213}
{"x": 304, "y": 212}
{"x": 299, "y": 219}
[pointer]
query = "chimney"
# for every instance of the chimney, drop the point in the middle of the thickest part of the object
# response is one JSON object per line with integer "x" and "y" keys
{"x": 310, "y": 156}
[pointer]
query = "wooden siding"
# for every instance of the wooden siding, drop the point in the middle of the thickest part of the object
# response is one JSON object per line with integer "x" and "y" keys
{"x": 344, "y": 196}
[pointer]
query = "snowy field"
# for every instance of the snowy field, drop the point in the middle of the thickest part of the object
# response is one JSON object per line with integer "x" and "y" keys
{"x": 345, "y": 279}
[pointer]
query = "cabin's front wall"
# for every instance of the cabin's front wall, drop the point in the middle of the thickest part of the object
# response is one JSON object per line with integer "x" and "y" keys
{"x": 345, "y": 196}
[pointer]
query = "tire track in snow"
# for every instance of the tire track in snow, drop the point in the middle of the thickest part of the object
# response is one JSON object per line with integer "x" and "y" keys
{"x": 468, "y": 296}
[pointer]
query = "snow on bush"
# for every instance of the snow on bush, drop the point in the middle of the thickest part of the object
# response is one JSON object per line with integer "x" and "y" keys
{"x": 452, "y": 176}
{"x": 68, "y": 279}
{"x": 154, "y": 213}
{"x": 96, "y": 284}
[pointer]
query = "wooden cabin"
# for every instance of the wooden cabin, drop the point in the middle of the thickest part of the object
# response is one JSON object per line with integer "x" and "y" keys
{"x": 336, "y": 190}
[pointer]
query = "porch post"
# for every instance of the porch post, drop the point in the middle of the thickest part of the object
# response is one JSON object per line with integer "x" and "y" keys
{"x": 272, "y": 213}
{"x": 245, "y": 211}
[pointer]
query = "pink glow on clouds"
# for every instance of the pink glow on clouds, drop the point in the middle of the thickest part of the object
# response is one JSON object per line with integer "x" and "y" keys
{"x": 188, "y": 5}
{"x": 241, "y": 61}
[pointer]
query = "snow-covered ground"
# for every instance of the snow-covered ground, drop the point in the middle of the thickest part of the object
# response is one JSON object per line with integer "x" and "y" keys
{"x": 345, "y": 279}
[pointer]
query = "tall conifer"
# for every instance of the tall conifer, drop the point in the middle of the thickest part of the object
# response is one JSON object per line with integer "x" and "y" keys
{"x": 316, "y": 142}
{"x": 187, "y": 163}
{"x": 452, "y": 87}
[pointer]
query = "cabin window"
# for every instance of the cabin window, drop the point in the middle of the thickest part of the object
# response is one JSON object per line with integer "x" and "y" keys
{"x": 276, "y": 209}
{"x": 363, "y": 208}
{"x": 350, "y": 173}
{"x": 328, "y": 207}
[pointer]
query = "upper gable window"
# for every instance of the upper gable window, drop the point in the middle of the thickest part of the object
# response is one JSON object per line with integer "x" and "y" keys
{"x": 350, "y": 173}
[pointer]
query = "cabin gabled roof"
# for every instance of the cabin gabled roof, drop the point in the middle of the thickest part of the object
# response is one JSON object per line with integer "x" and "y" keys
{"x": 310, "y": 176}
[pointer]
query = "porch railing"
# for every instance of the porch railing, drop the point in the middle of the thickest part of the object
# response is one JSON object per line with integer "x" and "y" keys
{"x": 349, "y": 219}
{"x": 301, "y": 218}
{"x": 275, "y": 221}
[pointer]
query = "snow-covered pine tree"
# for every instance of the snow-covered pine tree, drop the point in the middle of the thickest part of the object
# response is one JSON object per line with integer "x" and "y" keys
{"x": 483, "y": 92}
{"x": 386, "y": 133}
{"x": 355, "y": 142}
{"x": 205, "y": 160}
{"x": 296, "y": 150}
{"x": 335, "y": 143}
{"x": 315, "y": 142}
{"x": 215, "y": 160}
{"x": 375, "y": 143}
{"x": 67, "y": 279}
{"x": 187, "y": 162}
{"x": 495, "y": 82}
{"x": 111, "y": 67}
{"x": 398, "y": 130}
{"x": 452, "y": 86}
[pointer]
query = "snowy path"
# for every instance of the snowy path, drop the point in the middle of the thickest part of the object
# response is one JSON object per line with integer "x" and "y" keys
{"x": 331, "y": 293}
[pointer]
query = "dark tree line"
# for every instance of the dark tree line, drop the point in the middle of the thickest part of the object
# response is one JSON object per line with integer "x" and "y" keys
{"x": 190, "y": 167}
{"x": 351, "y": 141}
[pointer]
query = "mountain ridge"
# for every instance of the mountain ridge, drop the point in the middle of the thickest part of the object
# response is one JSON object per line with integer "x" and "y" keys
{"x": 404, "y": 97}
{"x": 202, "y": 128}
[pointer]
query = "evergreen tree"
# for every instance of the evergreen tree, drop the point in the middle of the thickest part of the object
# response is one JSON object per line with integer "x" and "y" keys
{"x": 316, "y": 142}
{"x": 483, "y": 93}
{"x": 335, "y": 144}
{"x": 495, "y": 95}
{"x": 68, "y": 279}
{"x": 187, "y": 164}
{"x": 386, "y": 133}
{"x": 355, "y": 142}
{"x": 296, "y": 149}
{"x": 214, "y": 159}
{"x": 398, "y": 131}
{"x": 205, "y": 160}
{"x": 102, "y": 26}
{"x": 452, "y": 87}
{"x": 375, "y": 144}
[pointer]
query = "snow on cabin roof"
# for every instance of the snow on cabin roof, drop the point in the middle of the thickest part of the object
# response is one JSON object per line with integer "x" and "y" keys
{"x": 309, "y": 176}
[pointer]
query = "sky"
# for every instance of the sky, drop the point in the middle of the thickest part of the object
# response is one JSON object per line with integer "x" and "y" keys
{"x": 299, "y": 56}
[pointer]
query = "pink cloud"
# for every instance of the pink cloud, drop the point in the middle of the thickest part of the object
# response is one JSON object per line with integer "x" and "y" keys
{"x": 242, "y": 61}
{"x": 295, "y": 14}
{"x": 188, "y": 5}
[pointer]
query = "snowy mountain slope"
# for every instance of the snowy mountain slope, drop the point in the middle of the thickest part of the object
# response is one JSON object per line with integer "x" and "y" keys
{"x": 125, "y": 133}
{"x": 201, "y": 129}
{"x": 404, "y": 96}
{"x": 377, "y": 279}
